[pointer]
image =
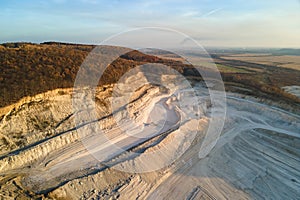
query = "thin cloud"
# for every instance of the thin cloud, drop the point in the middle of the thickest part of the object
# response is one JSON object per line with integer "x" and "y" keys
{"x": 212, "y": 12}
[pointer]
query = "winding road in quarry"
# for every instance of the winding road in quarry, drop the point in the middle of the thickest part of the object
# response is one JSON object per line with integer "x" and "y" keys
{"x": 106, "y": 145}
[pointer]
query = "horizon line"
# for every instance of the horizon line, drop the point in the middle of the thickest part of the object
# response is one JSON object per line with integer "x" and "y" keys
{"x": 93, "y": 44}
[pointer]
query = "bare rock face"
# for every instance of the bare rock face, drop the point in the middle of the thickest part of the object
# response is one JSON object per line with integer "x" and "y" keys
{"x": 143, "y": 142}
{"x": 33, "y": 119}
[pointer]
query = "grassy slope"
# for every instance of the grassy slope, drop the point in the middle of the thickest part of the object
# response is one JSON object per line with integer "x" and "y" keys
{"x": 29, "y": 69}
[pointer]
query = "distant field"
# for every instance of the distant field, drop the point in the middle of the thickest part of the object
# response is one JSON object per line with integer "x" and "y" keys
{"x": 287, "y": 61}
{"x": 259, "y": 73}
{"x": 229, "y": 69}
{"x": 200, "y": 61}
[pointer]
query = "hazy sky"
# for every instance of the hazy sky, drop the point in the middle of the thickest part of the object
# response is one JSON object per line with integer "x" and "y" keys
{"x": 251, "y": 23}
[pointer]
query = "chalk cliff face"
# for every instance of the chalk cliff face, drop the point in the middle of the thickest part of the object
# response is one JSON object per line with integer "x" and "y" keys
{"x": 137, "y": 139}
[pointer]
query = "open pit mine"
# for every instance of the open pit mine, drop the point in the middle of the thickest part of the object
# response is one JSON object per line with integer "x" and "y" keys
{"x": 148, "y": 137}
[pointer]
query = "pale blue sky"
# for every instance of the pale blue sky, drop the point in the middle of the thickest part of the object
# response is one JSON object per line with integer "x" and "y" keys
{"x": 239, "y": 23}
